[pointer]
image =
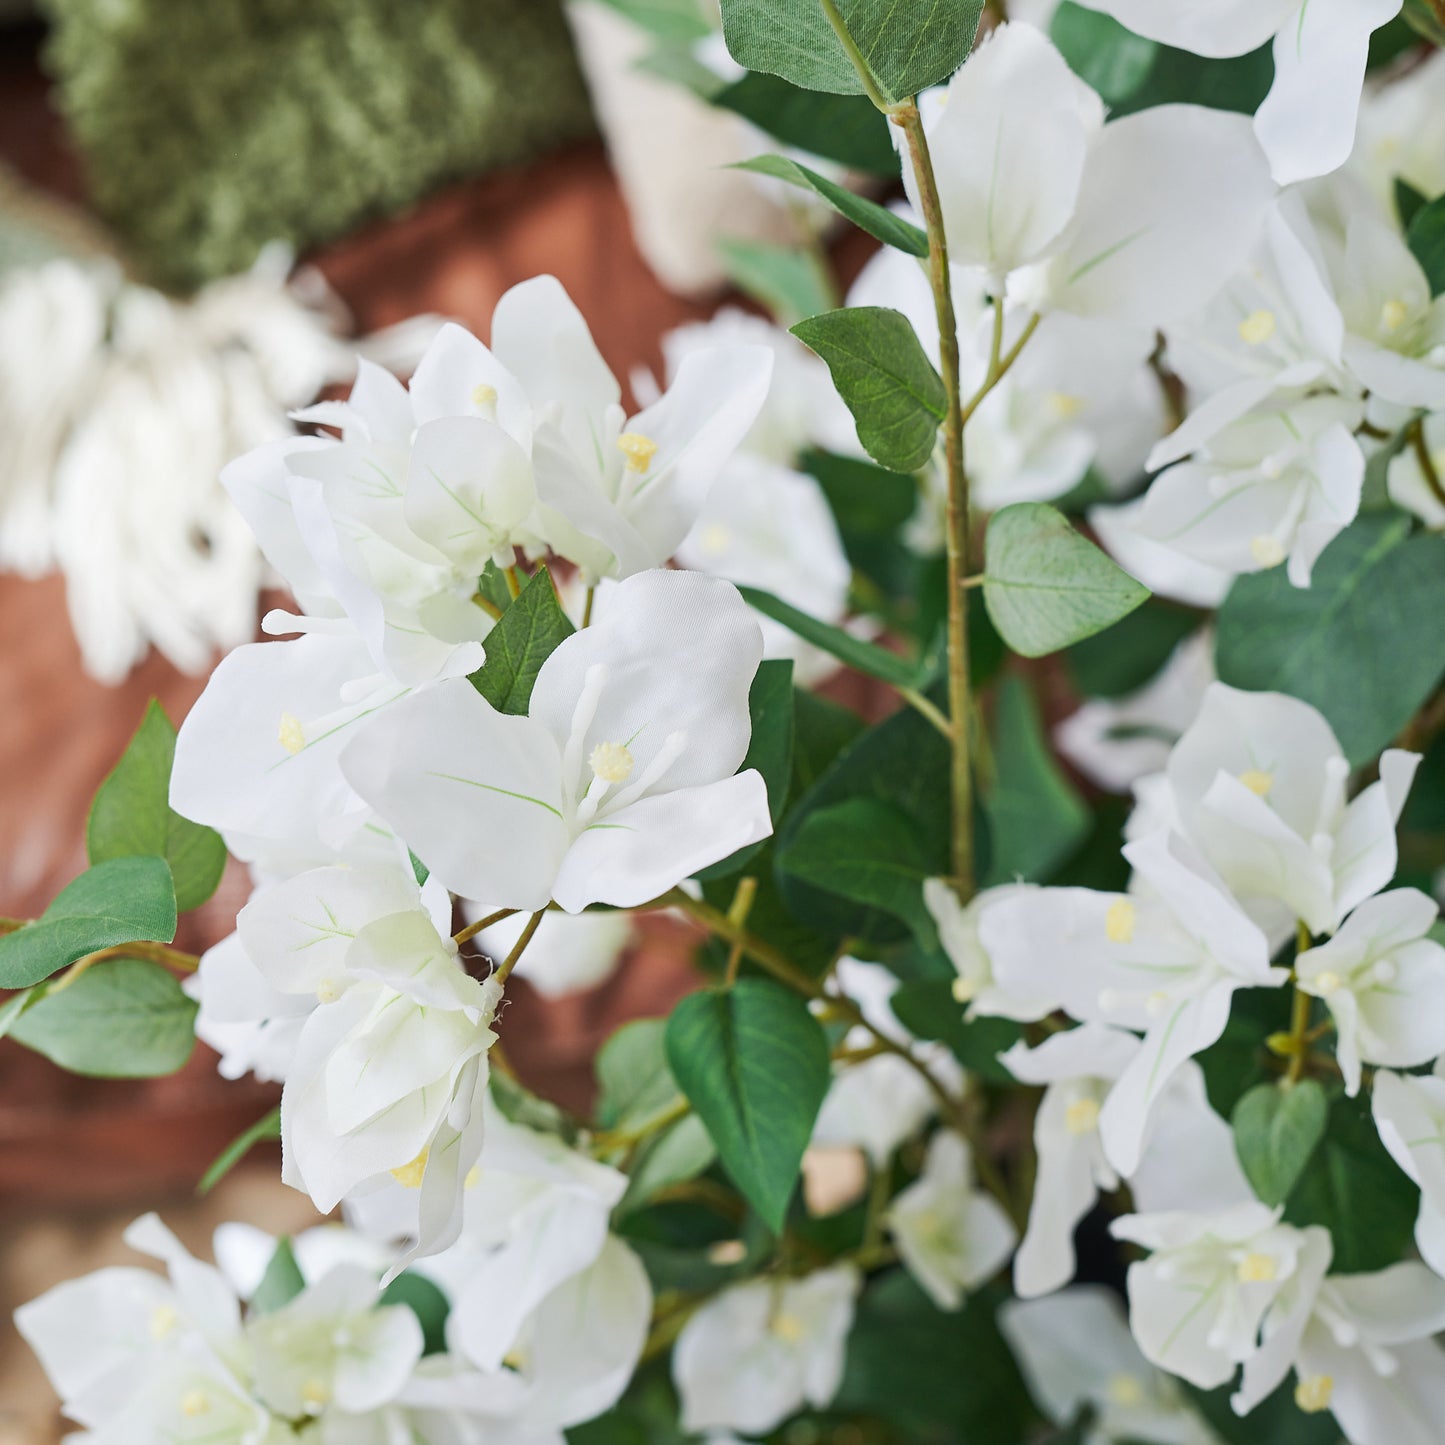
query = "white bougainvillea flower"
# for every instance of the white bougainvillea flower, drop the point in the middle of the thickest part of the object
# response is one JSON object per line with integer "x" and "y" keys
{"x": 759, "y": 1352}
{"x": 1259, "y": 784}
{"x": 1141, "y": 219}
{"x": 1402, "y": 133}
{"x": 1075, "y": 1351}
{"x": 390, "y": 1070}
{"x": 1117, "y": 741}
{"x": 1077, "y": 1070}
{"x": 1395, "y": 330}
{"x": 1165, "y": 961}
{"x": 1165, "y": 572}
{"x": 1410, "y": 485}
{"x": 771, "y": 527}
{"x": 1307, "y": 121}
{"x": 618, "y": 493}
{"x": 1383, "y": 980}
{"x": 951, "y": 1235}
{"x": 1277, "y": 485}
{"x": 976, "y": 986}
{"x": 1009, "y": 146}
{"x": 1410, "y": 1115}
{"x": 879, "y": 1103}
{"x": 619, "y": 783}
{"x": 1198, "y": 1303}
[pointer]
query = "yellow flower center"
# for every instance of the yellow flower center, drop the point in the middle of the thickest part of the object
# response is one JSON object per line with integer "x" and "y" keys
{"x": 328, "y": 991}
{"x": 483, "y": 395}
{"x": 1065, "y": 405}
{"x": 164, "y": 1319}
{"x": 1082, "y": 1116}
{"x": 612, "y": 762}
{"x": 1119, "y": 921}
{"x": 1266, "y": 550}
{"x": 1394, "y": 314}
{"x": 1328, "y": 982}
{"x": 1257, "y": 1269}
{"x": 1313, "y": 1393}
{"x": 315, "y": 1394}
{"x": 1126, "y": 1390}
{"x": 195, "y": 1402}
{"x": 1258, "y": 783}
{"x": 1257, "y": 328}
{"x": 409, "y": 1176}
{"x": 474, "y": 1177}
{"x": 963, "y": 989}
{"x": 788, "y": 1328}
{"x": 290, "y": 733}
{"x": 637, "y": 449}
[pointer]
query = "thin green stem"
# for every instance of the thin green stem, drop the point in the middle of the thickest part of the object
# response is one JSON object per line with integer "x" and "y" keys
{"x": 481, "y": 925}
{"x": 742, "y": 905}
{"x": 1000, "y": 363}
{"x": 520, "y": 947}
{"x": 956, "y": 529}
{"x": 514, "y": 584}
{"x": 610, "y": 1140}
{"x": 1299, "y": 1048}
{"x": 921, "y": 704}
{"x": 587, "y": 607}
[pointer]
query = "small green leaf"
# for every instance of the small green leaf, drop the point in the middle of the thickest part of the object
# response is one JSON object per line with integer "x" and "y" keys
{"x": 681, "y": 21}
{"x": 528, "y": 634}
{"x": 884, "y": 377}
{"x": 863, "y": 852}
{"x": 1036, "y": 816}
{"x": 132, "y": 817}
{"x": 843, "y": 128}
{"x": 122, "y": 901}
{"x": 878, "y": 221}
{"x": 1047, "y": 587}
{"x": 12, "y": 1007}
{"x": 1104, "y": 54}
{"x": 866, "y": 499}
{"x": 1362, "y": 642}
{"x": 788, "y": 280}
{"x": 770, "y": 751}
{"x": 1277, "y": 1127}
{"x": 754, "y": 1064}
{"x": 680, "y": 1152}
{"x": 821, "y": 730}
{"x": 266, "y": 1127}
{"x": 122, "y": 1019}
{"x": 634, "y": 1082}
{"x": 928, "y": 1010}
{"x": 905, "y": 53}
{"x": 865, "y": 657}
{"x": 426, "y": 1301}
{"x": 1426, "y": 238}
{"x": 282, "y": 1281}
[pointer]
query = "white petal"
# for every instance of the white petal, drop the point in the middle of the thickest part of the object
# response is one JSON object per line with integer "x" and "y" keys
{"x": 1215, "y": 28}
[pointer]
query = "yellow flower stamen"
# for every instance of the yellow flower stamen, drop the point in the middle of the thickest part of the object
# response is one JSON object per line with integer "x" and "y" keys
{"x": 639, "y": 450}
{"x": 1119, "y": 921}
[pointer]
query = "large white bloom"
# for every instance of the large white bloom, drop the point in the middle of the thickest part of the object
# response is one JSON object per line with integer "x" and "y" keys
{"x": 1383, "y": 980}
{"x": 390, "y": 1069}
{"x": 951, "y": 1235}
{"x": 1410, "y": 1115}
{"x": 619, "y": 783}
{"x": 959, "y": 933}
{"x": 1307, "y": 121}
{"x": 1165, "y": 960}
{"x": 1198, "y": 1303}
{"x": 1075, "y": 1350}
{"x": 1258, "y": 784}
{"x": 759, "y": 1352}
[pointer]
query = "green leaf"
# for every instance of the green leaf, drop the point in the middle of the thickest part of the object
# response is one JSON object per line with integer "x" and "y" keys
{"x": 673, "y": 20}
{"x": 1362, "y": 643}
{"x": 1047, "y": 587}
{"x": 787, "y": 280}
{"x": 863, "y": 852}
{"x": 131, "y": 816}
{"x": 1036, "y": 817}
{"x": 634, "y": 1082}
{"x": 843, "y": 128}
{"x": 1426, "y": 238}
{"x": 268, "y": 1126}
{"x": 282, "y": 1281}
{"x": 1277, "y": 1127}
{"x": 821, "y": 730}
{"x": 1353, "y": 1187}
{"x": 866, "y": 499}
{"x": 522, "y": 1106}
{"x": 1100, "y": 51}
{"x": 903, "y": 765}
{"x": 12, "y": 1007}
{"x": 903, "y": 1366}
{"x": 754, "y": 1064}
{"x": 866, "y": 657}
{"x": 884, "y": 377}
{"x": 122, "y": 901}
{"x": 680, "y": 1152}
{"x": 928, "y": 1010}
{"x": 528, "y": 634}
{"x": 905, "y": 53}
{"x": 770, "y": 751}
{"x": 122, "y": 1019}
{"x": 1132, "y": 652}
{"x": 878, "y": 221}
{"x": 1408, "y": 202}
{"x": 426, "y": 1301}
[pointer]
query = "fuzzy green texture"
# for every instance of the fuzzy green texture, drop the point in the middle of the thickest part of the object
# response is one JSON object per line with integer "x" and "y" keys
{"x": 210, "y": 129}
